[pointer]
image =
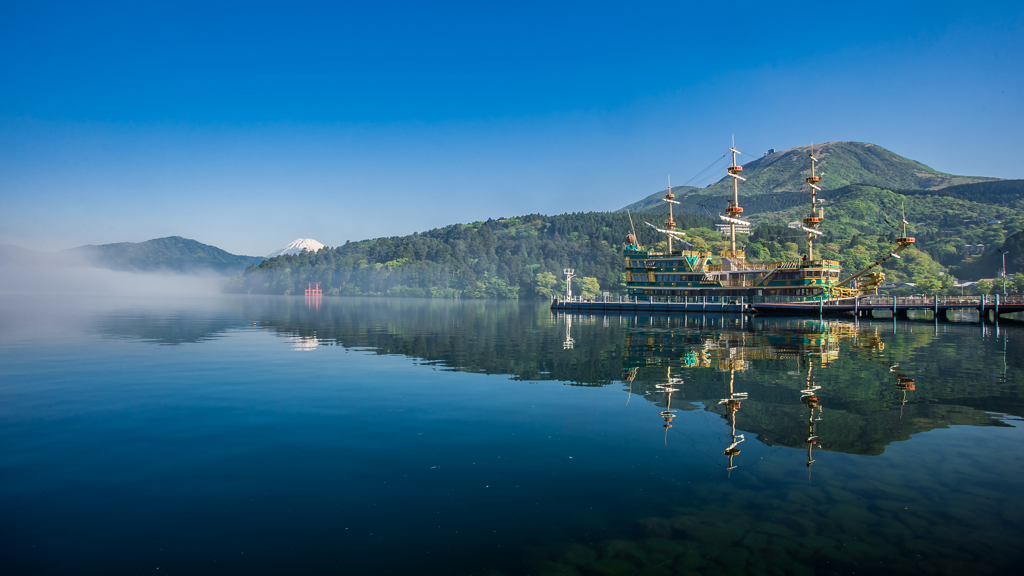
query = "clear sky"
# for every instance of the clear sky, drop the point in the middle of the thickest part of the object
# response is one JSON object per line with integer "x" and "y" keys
{"x": 247, "y": 125}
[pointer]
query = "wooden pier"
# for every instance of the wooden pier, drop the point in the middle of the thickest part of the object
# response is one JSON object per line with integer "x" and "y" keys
{"x": 988, "y": 306}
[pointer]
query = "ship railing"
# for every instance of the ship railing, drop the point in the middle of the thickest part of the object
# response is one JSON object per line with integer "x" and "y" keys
{"x": 752, "y": 266}
{"x": 691, "y": 300}
{"x": 785, "y": 299}
{"x": 696, "y": 300}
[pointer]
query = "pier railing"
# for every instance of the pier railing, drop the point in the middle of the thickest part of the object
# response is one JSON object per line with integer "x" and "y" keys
{"x": 900, "y": 301}
{"x": 944, "y": 301}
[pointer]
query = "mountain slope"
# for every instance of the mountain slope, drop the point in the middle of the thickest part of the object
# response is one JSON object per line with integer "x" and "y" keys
{"x": 174, "y": 254}
{"x": 989, "y": 264}
{"x": 862, "y": 221}
{"x": 840, "y": 164}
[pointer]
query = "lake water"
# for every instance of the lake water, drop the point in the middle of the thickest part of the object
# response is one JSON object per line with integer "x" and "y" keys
{"x": 377, "y": 436}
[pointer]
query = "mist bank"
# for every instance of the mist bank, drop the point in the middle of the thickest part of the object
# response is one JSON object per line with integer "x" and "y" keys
{"x": 59, "y": 278}
{"x": 172, "y": 254}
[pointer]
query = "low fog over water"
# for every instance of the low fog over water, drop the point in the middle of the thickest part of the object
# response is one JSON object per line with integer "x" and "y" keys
{"x": 57, "y": 278}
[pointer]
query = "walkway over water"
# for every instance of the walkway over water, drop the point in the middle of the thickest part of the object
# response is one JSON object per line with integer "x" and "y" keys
{"x": 986, "y": 305}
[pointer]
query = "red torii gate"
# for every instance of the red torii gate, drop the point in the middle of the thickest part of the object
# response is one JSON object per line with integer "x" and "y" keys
{"x": 313, "y": 295}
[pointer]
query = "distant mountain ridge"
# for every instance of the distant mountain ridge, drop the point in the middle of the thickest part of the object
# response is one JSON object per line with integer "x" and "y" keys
{"x": 840, "y": 164}
{"x": 172, "y": 254}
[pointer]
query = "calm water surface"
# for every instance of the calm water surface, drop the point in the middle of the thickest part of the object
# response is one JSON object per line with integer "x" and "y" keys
{"x": 262, "y": 435}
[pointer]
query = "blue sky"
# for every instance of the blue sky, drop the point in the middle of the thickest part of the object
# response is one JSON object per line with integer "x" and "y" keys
{"x": 247, "y": 125}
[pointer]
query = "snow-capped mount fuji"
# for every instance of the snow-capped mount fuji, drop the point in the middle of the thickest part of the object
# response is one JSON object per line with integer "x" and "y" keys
{"x": 298, "y": 246}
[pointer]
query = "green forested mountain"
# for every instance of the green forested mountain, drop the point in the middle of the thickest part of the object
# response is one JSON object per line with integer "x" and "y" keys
{"x": 524, "y": 257}
{"x": 782, "y": 173}
{"x": 506, "y": 258}
{"x": 174, "y": 254}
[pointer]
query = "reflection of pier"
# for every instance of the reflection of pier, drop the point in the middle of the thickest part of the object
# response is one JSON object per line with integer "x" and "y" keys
{"x": 987, "y": 306}
{"x": 990, "y": 306}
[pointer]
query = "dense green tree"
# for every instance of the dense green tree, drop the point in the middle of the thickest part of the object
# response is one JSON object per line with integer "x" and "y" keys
{"x": 589, "y": 286}
{"x": 545, "y": 284}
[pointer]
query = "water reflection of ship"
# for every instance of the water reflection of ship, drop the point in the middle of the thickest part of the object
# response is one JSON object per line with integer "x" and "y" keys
{"x": 668, "y": 387}
{"x": 689, "y": 346}
{"x": 874, "y": 344}
{"x": 732, "y": 406}
{"x": 809, "y": 398}
{"x": 677, "y": 342}
{"x": 904, "y": 383}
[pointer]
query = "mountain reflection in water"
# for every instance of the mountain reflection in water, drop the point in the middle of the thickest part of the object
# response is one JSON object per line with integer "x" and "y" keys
{"x": 639, "y": 444}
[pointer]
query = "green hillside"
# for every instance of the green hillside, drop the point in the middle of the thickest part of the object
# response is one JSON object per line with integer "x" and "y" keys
{"x": 782, "y": 173}
{"x": 506, "y": 258}
{"x": 173, "y": 254}
{"x": 524, "y": 257}
{"x": 861, "y": 222}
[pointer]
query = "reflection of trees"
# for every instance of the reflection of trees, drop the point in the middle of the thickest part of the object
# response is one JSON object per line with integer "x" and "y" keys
{"x": 956, "y": 380}
{"x": 171, "y": 324}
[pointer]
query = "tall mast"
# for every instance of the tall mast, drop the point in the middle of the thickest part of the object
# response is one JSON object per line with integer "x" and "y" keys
{"x": 671, "y": 224}
{"x": 813, "y": 219}
{"x": 734, "y": 209}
